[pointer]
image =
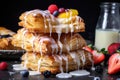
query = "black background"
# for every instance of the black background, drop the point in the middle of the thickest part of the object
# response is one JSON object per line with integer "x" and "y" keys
{"x": 10, "y": 11}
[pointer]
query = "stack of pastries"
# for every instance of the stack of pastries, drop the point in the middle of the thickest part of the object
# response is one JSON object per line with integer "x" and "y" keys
{"x": 52, "y": 43}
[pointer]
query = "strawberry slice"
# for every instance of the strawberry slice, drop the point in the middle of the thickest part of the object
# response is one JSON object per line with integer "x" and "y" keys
{"x": 98, "y": 57}
{"x": 114, "y": 63}
{"x": 87, "y": 48}
{"x": 112, "y": 48}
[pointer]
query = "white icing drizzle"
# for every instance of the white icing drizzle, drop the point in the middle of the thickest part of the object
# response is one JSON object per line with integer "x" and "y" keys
{"x": 73, "y": 55}
{"x": 81, "y": 52}
{"x": 60, "y": 45}
{"x": 80, "y": 73}
{"x": 78, "y": 61}
{"x": 64, "y": 75}
{"x": 53, "y": 44}
{"x": 71, "y": 24}
{"x": 67, "y": 20}
{"x": 78, "y": 19}
{"x": 39, "y": 64}
{"x": 32, "y": 42}
{"x": 77, "y": 42}
{"x": 90, "y": 58}
{"x": 60, "y": 62}
{"x": 40, "y": 45}
{"x": 75, "y": 58}
{"x": 26, "y": 60}
{"x": 66, "y": 60}
{"x": 34, "y": 55}
{"x": 23, "y": 36}
{"x": 66, "y": 45}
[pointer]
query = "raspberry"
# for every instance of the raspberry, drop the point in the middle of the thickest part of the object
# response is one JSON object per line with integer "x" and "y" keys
{"x": 61, "y": 10}
{"x": 52, "y": 8}
{"x": 3, "y": 66}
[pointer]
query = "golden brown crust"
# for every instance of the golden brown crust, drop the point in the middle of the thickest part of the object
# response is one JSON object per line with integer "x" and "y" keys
{"x": 69, "y": 61}
{"x": 46, "y": 43}
{"x": 6, "y": 38}
{"x": 5, "y": 31}
{"x": 5, "y": 44}
{"x": 43, "y": 22}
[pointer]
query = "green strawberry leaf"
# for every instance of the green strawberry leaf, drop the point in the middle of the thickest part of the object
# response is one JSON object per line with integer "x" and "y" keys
{"x": 91, "y": 46}
{"x": 104, "y": 51}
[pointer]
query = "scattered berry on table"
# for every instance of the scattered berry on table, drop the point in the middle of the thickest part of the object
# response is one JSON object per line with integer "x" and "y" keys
{"x": 24, "y": 73}
{"x": 99, "y": 68}
{"x": 3, "y": 65}
{"x": 47, "y": 73}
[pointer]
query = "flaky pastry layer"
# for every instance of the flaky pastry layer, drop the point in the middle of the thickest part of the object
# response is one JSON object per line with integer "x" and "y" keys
{"x": 57, "y": 63}
{"x": 48, "y": 43}
{"x": 43, "y": 22}
{"x": 5, "y": 31}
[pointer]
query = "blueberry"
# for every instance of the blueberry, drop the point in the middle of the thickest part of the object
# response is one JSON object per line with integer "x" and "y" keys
{"x": 99, "y": 68}
{"x": 55, "y": 13}
{"x": 96, "y": 78}
{"x": 24, "y": 73}
{"x": 5, "y": 36}
{"x": 47, "y": 73}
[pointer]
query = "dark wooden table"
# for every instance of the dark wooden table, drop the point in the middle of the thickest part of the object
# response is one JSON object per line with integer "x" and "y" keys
{"x": 10, "y": 74}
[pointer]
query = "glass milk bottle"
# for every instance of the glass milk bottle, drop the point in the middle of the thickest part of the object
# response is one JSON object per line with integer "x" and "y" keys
{"x": 108, "y": 25}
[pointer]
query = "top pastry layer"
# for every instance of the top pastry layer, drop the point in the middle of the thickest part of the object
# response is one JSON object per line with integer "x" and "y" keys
{"x": 42, "y": 21}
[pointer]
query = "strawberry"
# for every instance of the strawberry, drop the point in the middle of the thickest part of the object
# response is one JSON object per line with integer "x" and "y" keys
{"x": 87, "y": 48}
{"x": 98, "y": 57}
{"x": 114, "y": 63}
{"x": 112, "y": 48}
{"x": 3, "y": 65}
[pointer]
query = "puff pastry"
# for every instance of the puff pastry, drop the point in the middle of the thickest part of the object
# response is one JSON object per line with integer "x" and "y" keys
{"x": 40, "y": 21}
{"x": 5, "y": 31}
{"x": 46, "y": 43}
{"x": 5, "y": 44}
{"x": 57, "y": 63}
{"x": 6, "y": 38}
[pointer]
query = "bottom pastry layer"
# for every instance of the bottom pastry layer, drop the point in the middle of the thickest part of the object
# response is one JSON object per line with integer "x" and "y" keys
{"x": 79, "y": 59}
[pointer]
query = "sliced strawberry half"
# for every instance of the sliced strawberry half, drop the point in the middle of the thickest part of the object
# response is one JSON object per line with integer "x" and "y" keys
{"x": 87, "y": 48}
{"x": 98, "y": 57}
{"x": 114, "y": 63}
